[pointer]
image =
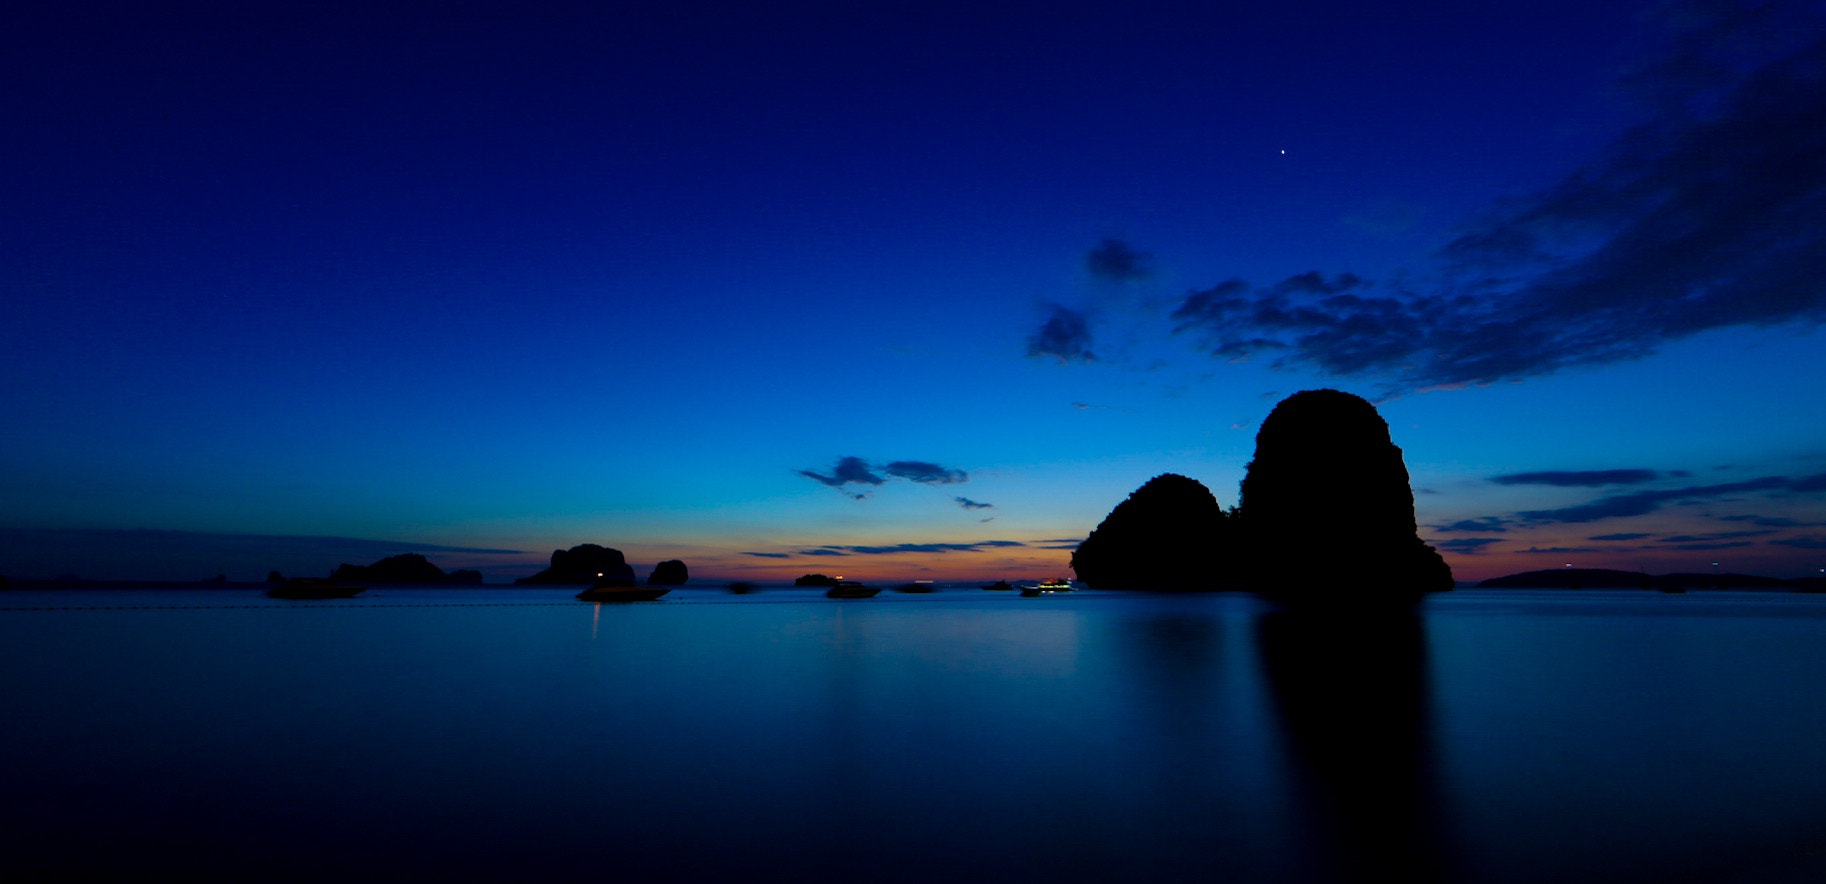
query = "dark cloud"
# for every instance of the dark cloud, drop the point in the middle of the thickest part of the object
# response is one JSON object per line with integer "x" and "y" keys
{"x": 849, "y": 470}
{"x": 1806, "y": 484}
{"x": 1620, "y": 537}
{"x": 1065, "y": 336}
{"x": 1814, "y": 542}
{"x": 1561, "y": 550}
{"x": 1487, "y": 523}
{"x": 969, "y": 504}
{"x": 1644, "y": 502}
{"x": 856, "y": 471}
{"x": 1578, "y": 478}
{"x": 1708, "y": 547}
{"x": 924, "y": 473}
{"x": 1469, "y": 546}
{"x": 1117, "y": 261}
{"x": 1061, "y": 543}
{"x": 150, "y": 554}
{"x": 1769, "y": 521}
{"x": 763, "y": 555}
{"x": 1707, "y": 215}
{"x": 840, "y": 550}
{"x": 1717, "y": 535}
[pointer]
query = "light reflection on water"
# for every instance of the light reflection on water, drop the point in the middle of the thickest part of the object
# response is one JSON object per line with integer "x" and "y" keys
{"x": 1495, "y": 736}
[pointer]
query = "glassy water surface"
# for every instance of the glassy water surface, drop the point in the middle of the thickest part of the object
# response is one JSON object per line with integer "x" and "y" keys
{"x": 1497, "y": 735}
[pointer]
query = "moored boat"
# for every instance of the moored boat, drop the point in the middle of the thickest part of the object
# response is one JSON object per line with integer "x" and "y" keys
{"x": 850, "y": 589}
{"x": 1046, "y": 587}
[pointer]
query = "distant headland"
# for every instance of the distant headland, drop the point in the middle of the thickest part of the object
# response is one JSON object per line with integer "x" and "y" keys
{"x": 1604, "y": 578}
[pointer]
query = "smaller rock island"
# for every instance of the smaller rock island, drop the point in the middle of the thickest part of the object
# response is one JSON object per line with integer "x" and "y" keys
{"x": 670, "y": 572}
{"x": 1170, "y": 534}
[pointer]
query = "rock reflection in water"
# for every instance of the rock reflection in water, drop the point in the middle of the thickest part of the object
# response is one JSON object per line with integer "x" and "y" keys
{"x": 1351, "y": 695}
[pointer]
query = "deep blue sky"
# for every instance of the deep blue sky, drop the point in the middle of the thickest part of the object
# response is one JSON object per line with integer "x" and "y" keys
{"x": 784, "y": 287}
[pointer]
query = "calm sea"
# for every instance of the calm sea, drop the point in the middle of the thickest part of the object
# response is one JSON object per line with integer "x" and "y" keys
{"x": 474, "y": 734}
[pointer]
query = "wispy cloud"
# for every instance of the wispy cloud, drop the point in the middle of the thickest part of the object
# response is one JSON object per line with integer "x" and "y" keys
{"x": 1621, "y": 537}
{"x": 1716, "y": 535}
{"x": 899, "y": 548}
{"x": 1117, "y": 261}
{"x": 141, "y": 554}
{"x": 1489, "y": 524}
{"x": 1708, "y": 546}
{"x": 1065, "y": 336}
{"x": 1705, "y": 216}
{"x": 925, "y": 473}
{"x": 1580, "y": 478}
{"x": 1769, "y": 521}
{"x": 848, "y": 471}
{"x": 1469, "y": 546}
{"x": 857, "y": 471}
{"x": 969, "y": 504}
{"x": 1644, "y": 502}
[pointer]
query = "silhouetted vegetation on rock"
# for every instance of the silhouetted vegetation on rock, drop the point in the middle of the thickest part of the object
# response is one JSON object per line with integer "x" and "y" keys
{"x": 1328, "y": 510}
{"x": 405, "y": 568}
{"x": 1170, "y": 534}
{"x": 581, "y": 564}
{"x": 670, "y": 572}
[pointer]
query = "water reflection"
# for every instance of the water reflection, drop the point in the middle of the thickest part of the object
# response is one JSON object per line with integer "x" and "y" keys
{"x": 1352, "y": 699}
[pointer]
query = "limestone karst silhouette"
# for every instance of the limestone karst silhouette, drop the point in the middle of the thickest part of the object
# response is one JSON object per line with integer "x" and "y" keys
{"x": 403, "y": 568}
{"x": 1326, "y": 516}
{"x": 581, "y": 564}
{"x": 1168, "y": 535}
{"x": 1328, "y": 509}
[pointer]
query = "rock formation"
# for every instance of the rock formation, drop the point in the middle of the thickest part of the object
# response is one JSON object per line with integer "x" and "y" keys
{"x": 406, "y": 568}
{"x": 1327, "y": 509}
{"x": 815, "y": 580}
{"x": 582, "y": 564}
{"x": 1168, "y": 535}
{"x": 670, "y": 572}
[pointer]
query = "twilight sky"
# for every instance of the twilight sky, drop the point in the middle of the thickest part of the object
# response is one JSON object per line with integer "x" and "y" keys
{"x": 899, "y": 290}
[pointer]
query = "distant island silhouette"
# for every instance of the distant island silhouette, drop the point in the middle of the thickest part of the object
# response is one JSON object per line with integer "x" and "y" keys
{"x": 405, "y": 568}
{"x": 585, "y": 563}
{"x": 1325, "y": 518}
{"x": 1604, "y": 578}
